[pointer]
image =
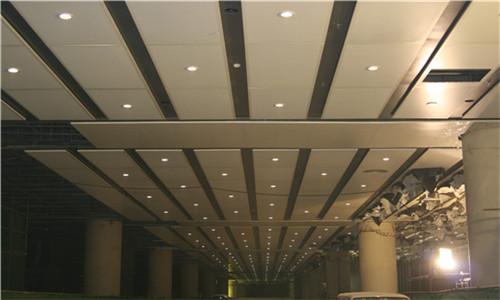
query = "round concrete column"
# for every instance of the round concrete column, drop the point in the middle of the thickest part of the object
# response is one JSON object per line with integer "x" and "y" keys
{"x": 208, "y": 283}
{"x": 377, "y": 257}
{"x": 332, "y": 274}
{"x": 160, "y": 273}
{"x": 344, "y": 272}
{"x": 103, "y": 253}
{"x": 189, "y": 280}
{"x": 481, "y": 157}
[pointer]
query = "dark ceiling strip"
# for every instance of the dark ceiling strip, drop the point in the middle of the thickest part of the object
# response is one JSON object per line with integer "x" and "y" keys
{"x": 332, "y": 237}
{"x": 372, "y": 200}
{"x": 231, "y": 237}
{"x": 256, "y": 237}
{"x": 451, "y": 172}
{"x": 202, "y": 179}
{"x": 232, "y": 25}
{"x": 340, "y": 20}
{"x": 101, "y": 174}
{"x": 300, "y": 169}
{"x": 248, "y": 168}
{"x": 282, "y": 236}
{"x": 147, "y": 170}
{"x": 307, "y": 237}
{"x": 18, "y": 107}
{"x": 14, "y": 18}
{"x": 202, "y": 232}
{"x": 444, "y": 26}
{"x": 353, "y": 166}
{"x": 130, "y": 33}
{"x": 484, "y": 89}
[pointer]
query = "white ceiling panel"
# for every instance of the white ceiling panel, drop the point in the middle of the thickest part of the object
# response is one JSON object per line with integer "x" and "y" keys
{"x": 308, "y": 207}
{"x": 488, "y": 107}
{"x": 176, "y": 172}
{"x": 450, "y": 98}
{"x": 68, "y": 167}
{"x": 111, "y": 101}
{"x": 9, "y": 114}
{"x": 32, "y": 73}
{"x": 393, "y": 22}
{"x": 296, "y": 103}
{"x": 176, "y": 22}
{"x": 435, "y": 158}
{"x": 466, "y": 56}
{"x": 345, "y": 205}
{"x": 172, "y": 61}
{"x": 193, "y": 104}
{"x": 9, "y": 38}
{"x": 263, "y": 24}
{"x": 90, "y": 24}
{"x": 244, "y": 237}
{"x": 96, "y": 67}
{"x": 393, "y": 61}
{"x": 355, "y": 103}
{"x": 56, "y": 104}
{"x": 283, "y": 65}
{"x": 218, "y": 162}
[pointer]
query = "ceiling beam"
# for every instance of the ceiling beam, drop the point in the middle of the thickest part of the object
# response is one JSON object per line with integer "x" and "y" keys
{"x": 435, "y": 40}
{"x": 135, "y": 44}
{"x": 18, "y": 108}
{"x": 14, "y": 19}
{"x": 232, "y": 26}
{"x": 338, "y": 27}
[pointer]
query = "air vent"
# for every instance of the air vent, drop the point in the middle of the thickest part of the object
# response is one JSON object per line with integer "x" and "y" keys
{"x": 472, "y": 75}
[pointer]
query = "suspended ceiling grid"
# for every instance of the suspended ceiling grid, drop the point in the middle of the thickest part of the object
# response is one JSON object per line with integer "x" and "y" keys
{"x": 200, "y": 148}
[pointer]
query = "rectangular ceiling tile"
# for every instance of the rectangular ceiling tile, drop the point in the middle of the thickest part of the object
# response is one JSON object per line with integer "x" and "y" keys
{"x": 202, "y": 103}
{"x": 263, "y": 103}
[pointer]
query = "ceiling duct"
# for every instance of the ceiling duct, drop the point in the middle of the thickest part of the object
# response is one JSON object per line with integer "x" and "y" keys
{"x": 462, "y": 75}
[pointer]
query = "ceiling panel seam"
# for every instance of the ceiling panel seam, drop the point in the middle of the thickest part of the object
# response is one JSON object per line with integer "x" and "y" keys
{"x": 232, "y": 25}
{"x": 130, "y": 33}
{"x": 435, "y": 40}
{"x": 371, "y": 201}
{"x": 202, "y": 179}
{"x": 353, "y": 166}
{"x": 101, "y": 174}
{"x": 24, "y": 30}
{"x": 338, "y": 27}
{"x": 18, "y": 107}
{"x": 249, "y": 170}
{"x": 484, "y": 89}
{"x": 159, "y": 184}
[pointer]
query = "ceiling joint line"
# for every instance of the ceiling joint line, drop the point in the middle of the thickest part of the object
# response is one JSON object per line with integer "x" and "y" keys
{"x": 249, "y": 171}
{"x": 35, "y": 43}
{"x": 130, "y": 33}
{"x": 372, "y": 200}
{"x": 17, "y": 107}
{"x": 300, "y": 169}
{"x": 338, "y": 27}
{"x": 484, "y": 89}
{"x": 435, "y": 40}
{"x": 349, "y": 172}
{"x": 101, "y": 174}
{"x": 157, "y": 181}
{"x": 202, "y": 179}
{"x": 232, "y": 26}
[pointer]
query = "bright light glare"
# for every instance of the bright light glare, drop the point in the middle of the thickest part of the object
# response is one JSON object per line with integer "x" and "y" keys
{"x": 445, "y": 260}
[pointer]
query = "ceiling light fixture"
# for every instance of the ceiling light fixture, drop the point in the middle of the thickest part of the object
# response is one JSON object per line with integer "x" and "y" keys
{"x": 164, "y": 159}
{"x": 204, "y": 218}
{"x": 363, "y": 185}
{"x": 275, "y": 159}
{"x": 279, "y": 105}
{"x": 286, "y": 14}
{"x": 149, "y": 197}
{"x": 127, "y": 106}
{"x": 224, "y": 174}
{"x": 306, "y": 211}
{"x": 125, "y": 174}
{"x": 336, "y": 218}
{"x": 432, "y": 103}
{"x": 347, "y": 204}
{"x": 165, "y": 211}
{"x": 270, "y": 218}
{"x": 235, "y": 211}
{"x": 273, "y": 186}
{"x": 192, "y": 68}
{"x": 271, "y": 204}
{"x": 13, "y": 70}
{"x": 385, "y": 159}
{"x": 195, "y": 204}
{"x": 324, "y": 174}
{"x": 372, "y": 68}
{"x": 65, "y": 16}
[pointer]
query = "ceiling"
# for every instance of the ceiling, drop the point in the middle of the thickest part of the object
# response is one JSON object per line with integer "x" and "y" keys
{"x": 265, "y": 153}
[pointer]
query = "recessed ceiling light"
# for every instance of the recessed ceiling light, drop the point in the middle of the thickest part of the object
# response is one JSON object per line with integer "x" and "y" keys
{"x": 270, "y": 218}
{"x": 246, "y": 246}
{"x": 320, "y": 237}
{"x": 432, "y": 103}
{"x": 127, "y": 106}
{"x": 385, "y": 159}
{"x": 235, "y": 211}
{"x": 306, "y": 211}
{"x": 326, "y": 229}
{"x": 293, "y": 241}
{"x": 363, "y": 185}
{"x": 349, "y": 233}
{"x": 204, "y": 218}
{"x": 296, "y": 233}
{"x": 324, "y": 174}
{"x": 213, "y": 229}
{"x": 273, "y": 186}
{"x": 189, "y": 233}
{"x": 165, "y": 211}
{"x": 242, "y": 233}
{"x": 269, "y": 229}
{"x": 65, "y": 16}
{"x": 336, "y": 218}
{"x": 236, "y": 65}
{"x": 279, "y": 105}
{"x": 271, "y": 204}
{"x": 347, "y": 204}
{"x": 125, "y": 174}
{"x": 183, "y": 186}
{"x": 218, "y": 237}
{"x": 286, "y": 14}
{"x": 13, "y": 70}
{"x": 224, "y": 174}
{"x": 197, "y": 241}
{"x": 275, "y": 159}
{"x": 192, "y": 68}
{"x": 372, "y": 68}
{"x": 149, "y": 197}
{"x": 195, "y": 204}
